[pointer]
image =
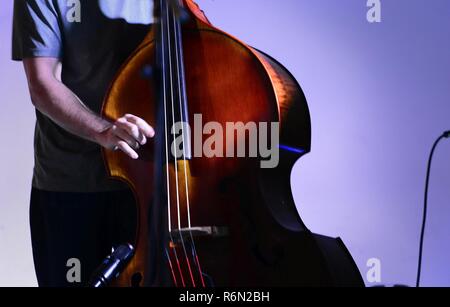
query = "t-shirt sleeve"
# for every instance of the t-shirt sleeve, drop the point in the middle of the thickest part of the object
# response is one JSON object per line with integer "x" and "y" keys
{"x": 36, "y": 30}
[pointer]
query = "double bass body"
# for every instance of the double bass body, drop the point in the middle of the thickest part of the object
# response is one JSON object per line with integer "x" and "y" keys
{"x": 242, "y": 218}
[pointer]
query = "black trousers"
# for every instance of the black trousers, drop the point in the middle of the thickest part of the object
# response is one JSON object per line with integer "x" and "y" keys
{"x": 73, "y": 231}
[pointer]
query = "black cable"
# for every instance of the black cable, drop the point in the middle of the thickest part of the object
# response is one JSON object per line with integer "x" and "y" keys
{"x": 425, "y": 205}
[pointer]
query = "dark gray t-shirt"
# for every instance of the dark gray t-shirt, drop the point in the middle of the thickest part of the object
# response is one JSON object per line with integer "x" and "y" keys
{"x": 92, "y": 38}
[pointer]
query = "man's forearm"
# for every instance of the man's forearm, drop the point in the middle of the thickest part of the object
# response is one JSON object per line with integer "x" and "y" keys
{"x": 51, "y": 97}
{"x": 61, "y": 105}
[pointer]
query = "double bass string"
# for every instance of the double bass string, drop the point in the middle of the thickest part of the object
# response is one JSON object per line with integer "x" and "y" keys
{"x": 172, "y": 271}
{"x": 180, "y": 74}
{"x": 169, "y": 47}
{"x": 164, "y": 79}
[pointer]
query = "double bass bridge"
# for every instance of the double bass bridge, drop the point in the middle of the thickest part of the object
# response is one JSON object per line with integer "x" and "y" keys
{"x": 211, "y": 232}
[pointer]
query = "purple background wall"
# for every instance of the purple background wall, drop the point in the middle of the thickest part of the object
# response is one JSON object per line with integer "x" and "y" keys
{"x": 379, "y": 95}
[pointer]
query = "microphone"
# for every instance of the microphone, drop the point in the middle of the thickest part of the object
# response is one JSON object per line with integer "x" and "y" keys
{"x": 447, "y": 134}
{"x": 112, "y": 266}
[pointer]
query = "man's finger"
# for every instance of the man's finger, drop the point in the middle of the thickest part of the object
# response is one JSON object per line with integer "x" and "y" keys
{"x": 124, "y": 136}
{"x": 142, "y": 124}
{"x": 132, "y": 129}
{"x": 127, "y": 150}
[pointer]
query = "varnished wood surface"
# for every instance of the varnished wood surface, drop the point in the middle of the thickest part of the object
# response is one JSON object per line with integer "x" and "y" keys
{"x": 227, "y": 81}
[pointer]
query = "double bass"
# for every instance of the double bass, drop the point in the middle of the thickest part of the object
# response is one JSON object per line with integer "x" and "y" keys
{"x": 215, "y": 220}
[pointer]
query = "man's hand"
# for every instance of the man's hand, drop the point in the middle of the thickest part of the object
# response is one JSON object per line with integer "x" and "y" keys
{"x": 127, "y": 134}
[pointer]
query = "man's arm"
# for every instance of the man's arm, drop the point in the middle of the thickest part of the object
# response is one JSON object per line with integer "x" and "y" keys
{"x": 52, "y": 98}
